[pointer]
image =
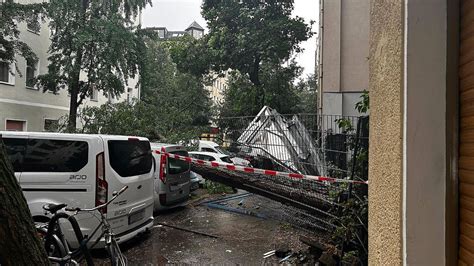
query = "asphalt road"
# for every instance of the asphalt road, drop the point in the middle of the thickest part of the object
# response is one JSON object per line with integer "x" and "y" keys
{"x": 241, "y": 238}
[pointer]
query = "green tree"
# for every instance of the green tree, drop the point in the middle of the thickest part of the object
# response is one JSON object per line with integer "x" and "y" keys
{"x": 281, "y": 95}
{"x": 94, "y": 45}
{"x": 179, "y": 99}
{"x": 257, "y": 39}
{"x": 11, "y": 14}
{"x": 306, "y": 89}
{"x": 174, "y": 106}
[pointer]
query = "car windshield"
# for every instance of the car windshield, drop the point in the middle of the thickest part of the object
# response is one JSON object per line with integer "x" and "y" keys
{"x": 220, "y": 150}
{"x": 176, "y": 166}
{"x": 226, "y": 159}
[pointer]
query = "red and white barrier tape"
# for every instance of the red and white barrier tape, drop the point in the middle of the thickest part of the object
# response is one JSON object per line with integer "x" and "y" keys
{"x": 259, "y": 171}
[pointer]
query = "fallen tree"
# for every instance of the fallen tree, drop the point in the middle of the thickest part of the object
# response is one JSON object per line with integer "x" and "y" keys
{"x": 306, "y": 195}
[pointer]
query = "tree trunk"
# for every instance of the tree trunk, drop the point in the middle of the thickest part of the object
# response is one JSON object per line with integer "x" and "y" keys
{"x": 254, "y": 76}
{"x": 72, "y": 118}
{"x": 19, "y": 244}
{"x": 74, "y": 91}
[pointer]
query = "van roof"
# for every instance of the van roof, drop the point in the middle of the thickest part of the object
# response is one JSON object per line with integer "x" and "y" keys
{"x": 68, "y": 135}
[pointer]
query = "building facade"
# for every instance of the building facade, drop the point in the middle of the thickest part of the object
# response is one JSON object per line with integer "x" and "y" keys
{"x": 25, "y": 107}
{"x": 344, "y": 55}
{"x": 218, "y": 83}
{"x": 421, "y": 157}
{"x": 195, "y": 30}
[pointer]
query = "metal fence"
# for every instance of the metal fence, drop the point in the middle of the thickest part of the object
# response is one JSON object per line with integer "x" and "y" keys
{"x": 302, "y": 143}
{"x": 311, "y": 144}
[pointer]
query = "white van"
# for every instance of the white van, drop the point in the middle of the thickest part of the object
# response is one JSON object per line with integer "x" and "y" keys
{"x": 172, "y": 177}
{"x": 84, "y": 171}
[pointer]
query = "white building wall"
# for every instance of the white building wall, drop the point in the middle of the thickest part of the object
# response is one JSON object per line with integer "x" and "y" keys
{"x": 17, "y": 102}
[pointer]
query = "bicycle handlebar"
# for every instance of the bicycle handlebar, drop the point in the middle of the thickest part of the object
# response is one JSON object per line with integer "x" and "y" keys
{"x": 77, "y": 209}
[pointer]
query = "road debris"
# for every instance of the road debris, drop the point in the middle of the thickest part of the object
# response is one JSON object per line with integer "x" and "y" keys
{"x": 187, "y": 230}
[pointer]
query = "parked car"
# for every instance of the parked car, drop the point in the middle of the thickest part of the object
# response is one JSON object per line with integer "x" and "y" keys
{"x": 172, "y": 177}
{"x": 196, "y": 181}
{"x": 211, "y": 157}
{"x": 84, "y": 171}
{"x": 210, "y": 146}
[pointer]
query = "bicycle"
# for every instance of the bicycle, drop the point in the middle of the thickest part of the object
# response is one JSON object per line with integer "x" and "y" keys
{"x": 57, "y": 246}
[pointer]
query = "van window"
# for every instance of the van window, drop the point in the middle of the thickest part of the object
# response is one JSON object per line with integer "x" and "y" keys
{"x": 176, "y": 166}
{"x": 48, "y": 155}
{"x": 130, "y": 158}
{"x": 15, "y": 151}
{"x": 208, "y": 150}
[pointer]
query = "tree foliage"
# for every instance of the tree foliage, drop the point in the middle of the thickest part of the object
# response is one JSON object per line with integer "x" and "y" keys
{"x": 242, "y": 97}
{"x": 174, "y": 106}
{"x": 94, "y": 45}
{"x": 11, "y": 14}
{"x": 250, "y": 36}
{"x": 307, "y": 91}
{"x": 245, "y": 33}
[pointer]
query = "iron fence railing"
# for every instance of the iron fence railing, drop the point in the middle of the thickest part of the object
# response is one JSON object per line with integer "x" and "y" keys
{"x": 305, "y": 143}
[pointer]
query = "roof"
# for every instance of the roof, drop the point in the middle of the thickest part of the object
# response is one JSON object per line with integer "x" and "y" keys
{"x": 195, "y": 25}
{"x": 210, "y": 143}
{"x": 71, "y": 136}
{"x": 213, "y": 154}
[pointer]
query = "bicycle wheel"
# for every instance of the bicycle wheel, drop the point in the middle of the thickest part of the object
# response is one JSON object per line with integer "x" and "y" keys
{"x": 116, "y": 256}
{"x": 54, "y": 247}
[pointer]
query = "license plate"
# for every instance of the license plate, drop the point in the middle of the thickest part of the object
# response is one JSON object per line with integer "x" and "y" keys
{"x": 175, "y": 188}
{"x": 136, "y": 216}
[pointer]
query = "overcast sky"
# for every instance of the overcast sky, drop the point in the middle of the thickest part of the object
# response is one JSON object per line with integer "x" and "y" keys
{"x": 179, "y": 14}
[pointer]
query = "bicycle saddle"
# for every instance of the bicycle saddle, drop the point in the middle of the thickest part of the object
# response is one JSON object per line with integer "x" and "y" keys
{"x": 51, "y": 207}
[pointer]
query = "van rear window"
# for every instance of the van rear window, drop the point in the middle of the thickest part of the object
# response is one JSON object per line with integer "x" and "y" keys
{"x": 47, "y": 155}
{"x": 176, "y": 166}
{"x": 130, "y": 158}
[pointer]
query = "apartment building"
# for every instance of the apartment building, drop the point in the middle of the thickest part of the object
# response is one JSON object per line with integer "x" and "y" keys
{"x": 344, "y": 55}
{"x": 195, "y": 30}
{"x": 24, "y": 107}
{"x": 421, "y": 157}
{"x": 218, "y": 83}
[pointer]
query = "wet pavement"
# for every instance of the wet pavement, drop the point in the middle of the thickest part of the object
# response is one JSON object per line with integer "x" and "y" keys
{"x": 241, "y": 238}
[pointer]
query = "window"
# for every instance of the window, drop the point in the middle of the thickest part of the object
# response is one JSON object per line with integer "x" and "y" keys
{"x": 197, "y": 34}
{"x": 33, "y": 24}
{"x": 207, "y": 158}
{"x": 31, "y": 72}
{"x": 94, "y": 95}
{"x": 208, "y": 150}
{"x": 130, "y": 157}
{"x": 195, "y": 156}
{"x": 220, "y": 150}
{"x": 129, "y": 95}
{"x": 226, "y": 159}
{"x": 176, "y": 166}
{"x": 4, "y": 72}
{"x": 15, "y": 151}
{"x": 161, "y": 33}
{"x": 15, "y": 125}
{"x": 47, "y": 155}
{"x": 51, "y": 125}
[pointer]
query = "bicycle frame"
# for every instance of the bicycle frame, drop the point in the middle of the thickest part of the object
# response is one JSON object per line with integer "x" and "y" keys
{"x": 54, "y": 232}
